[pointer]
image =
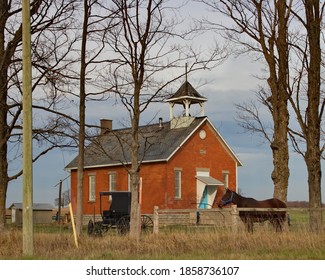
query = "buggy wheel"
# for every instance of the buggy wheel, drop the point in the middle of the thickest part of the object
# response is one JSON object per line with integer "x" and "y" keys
{"x": 123, "y": 225}
{"x": 146, "y": 224}
{"x": 98, "y": 230}
{"x": 90, "y": 228}
{"x": 105, "y": 228}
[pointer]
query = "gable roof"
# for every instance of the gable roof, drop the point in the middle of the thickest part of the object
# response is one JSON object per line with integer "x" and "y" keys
{"x": 157, "y": 143}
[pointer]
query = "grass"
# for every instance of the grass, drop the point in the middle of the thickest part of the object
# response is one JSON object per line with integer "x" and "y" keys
{"x": 55, "y": 242}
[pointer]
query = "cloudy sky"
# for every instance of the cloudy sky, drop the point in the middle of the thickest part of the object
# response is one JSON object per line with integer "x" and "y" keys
{"x": 232, "y": 82}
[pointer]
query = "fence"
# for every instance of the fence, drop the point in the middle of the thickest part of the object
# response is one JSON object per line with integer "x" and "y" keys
{"x": 222, "y": 218}
{"x": 192, "y": 217}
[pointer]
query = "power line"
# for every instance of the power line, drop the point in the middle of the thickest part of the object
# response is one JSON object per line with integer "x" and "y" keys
{"x": 61, "y": 181}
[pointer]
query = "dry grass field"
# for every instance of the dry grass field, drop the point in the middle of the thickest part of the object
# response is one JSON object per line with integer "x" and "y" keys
{"x": 56, "y": 242}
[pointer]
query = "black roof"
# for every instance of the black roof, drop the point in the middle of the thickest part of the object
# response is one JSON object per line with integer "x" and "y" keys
{"x": 187, "y": 91}
{"x": 157, "y": 143}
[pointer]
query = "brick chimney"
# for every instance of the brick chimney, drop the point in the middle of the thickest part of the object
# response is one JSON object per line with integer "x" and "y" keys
{"x": 105, "y": 125}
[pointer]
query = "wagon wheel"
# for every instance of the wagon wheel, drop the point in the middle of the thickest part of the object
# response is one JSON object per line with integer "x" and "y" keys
{"x": 146, "y": 224}
{"x": 123, "y": 225}
{"x": 105, "y": 228}
{"x": 90, "y": 228}
{"x": 98, "y": 230}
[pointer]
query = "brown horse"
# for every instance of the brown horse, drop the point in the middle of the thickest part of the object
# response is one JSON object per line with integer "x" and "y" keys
{"x": 276, "y": 218}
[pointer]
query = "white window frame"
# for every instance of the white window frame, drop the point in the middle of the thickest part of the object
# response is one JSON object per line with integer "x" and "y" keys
{"x": 177, "y": 183}
{"x": 112, "y": 181}
{"x": 92, "y": 187}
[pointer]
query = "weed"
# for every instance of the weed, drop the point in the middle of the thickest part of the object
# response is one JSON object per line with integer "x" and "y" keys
{"x": 57, "y": 243}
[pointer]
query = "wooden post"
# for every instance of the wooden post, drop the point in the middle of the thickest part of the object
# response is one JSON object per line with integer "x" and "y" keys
{"x": 155, "y": 220}
{"x": 140, "y": 202}
{"x": 60, "y": 202}
{"x": 73, "y": 225}
{"x": 28, "y": 236}
{"x": 234, "y": 218}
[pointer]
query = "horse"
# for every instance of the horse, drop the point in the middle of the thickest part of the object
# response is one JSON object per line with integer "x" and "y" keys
{"x": 276, "y": 218}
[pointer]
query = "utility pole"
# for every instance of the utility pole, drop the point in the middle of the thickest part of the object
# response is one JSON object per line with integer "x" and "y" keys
{"x": 60, "y": 202}
{"x": 28, "y": 235}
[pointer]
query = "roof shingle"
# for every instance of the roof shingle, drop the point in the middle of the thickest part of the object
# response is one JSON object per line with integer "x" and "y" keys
{"x": 157, "y": 143}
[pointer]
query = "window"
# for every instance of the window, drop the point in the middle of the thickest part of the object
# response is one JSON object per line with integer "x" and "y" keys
{"x": 178, "y": 183}
{"x": 112, "y": 182}
{"x": 92, "y": 187}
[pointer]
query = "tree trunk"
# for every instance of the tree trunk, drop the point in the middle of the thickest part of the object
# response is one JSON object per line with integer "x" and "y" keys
{"x": 3, "y": 194}
{"x": 313, "y": 154}
{"x": 135, "y": 228}
{"x": 314, "y": 186}
{"x": 80, "y": 174}
{"x": 82, "y": 120}
{"x": 3, "y": 154}
{"x": 3, "y": 118}
{"x": 278, "y": 83}
{"x": 281, "y": 172}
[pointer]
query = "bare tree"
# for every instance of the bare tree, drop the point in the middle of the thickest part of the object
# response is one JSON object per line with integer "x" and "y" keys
{"x": 297, "y": 59}
{"x": 94, "y": 27}
{"x": 65, "y": 199}
{"x": 99, "y": 19}
{"x": 307, "y": 89}
{"x": 82, "y": 117}
{"x": 260, "y": 27}
{"x": 50, "y": 48}
{"x": 146, "y": 46}
{"x": 251, "y": 117}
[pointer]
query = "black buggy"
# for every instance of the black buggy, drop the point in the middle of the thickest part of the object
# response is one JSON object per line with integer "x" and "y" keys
{"x": 117, "y": 216}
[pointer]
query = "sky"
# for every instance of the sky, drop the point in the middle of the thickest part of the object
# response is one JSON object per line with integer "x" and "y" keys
{"x": 231, "y": 83}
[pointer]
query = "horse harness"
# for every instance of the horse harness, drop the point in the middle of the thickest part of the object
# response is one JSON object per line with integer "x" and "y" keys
{"x": 225, "y": 202}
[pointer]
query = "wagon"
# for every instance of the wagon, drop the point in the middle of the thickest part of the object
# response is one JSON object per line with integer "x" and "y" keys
{"x": 117, "y": 216}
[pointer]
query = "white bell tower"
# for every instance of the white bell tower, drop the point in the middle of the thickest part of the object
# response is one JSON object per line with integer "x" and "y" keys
{"x": 186, "y": 96}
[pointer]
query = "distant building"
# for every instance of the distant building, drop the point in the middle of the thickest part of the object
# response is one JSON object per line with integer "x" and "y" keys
{"x": 185, "y": 161}
{"x": 42, "y": 213}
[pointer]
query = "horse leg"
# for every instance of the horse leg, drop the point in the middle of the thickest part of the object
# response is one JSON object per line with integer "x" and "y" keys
{"x": 273, "y": 219}
{"x": 273, "y": 222}
{"x": 278, "y": 223}
{"x": 282, "y": 220}
{"x": 249, "y": 224}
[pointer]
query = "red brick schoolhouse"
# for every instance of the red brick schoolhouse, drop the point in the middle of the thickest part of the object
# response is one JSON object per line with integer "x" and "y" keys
{"x": 186, "y": 162}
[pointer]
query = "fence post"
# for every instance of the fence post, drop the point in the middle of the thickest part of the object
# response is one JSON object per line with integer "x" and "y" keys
{"x": 234, "y": 218}
{"x": 155, "y": 220}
